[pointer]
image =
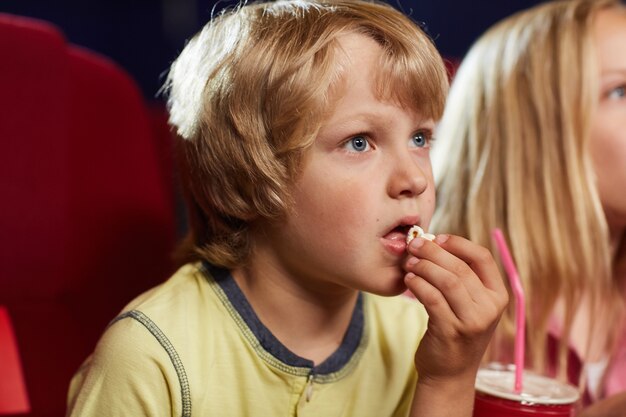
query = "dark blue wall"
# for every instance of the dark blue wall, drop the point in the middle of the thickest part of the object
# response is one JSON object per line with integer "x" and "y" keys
{"x": 144, "y": 36}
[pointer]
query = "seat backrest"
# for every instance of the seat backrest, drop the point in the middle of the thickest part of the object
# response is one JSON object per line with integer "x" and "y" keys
{"x": 13, "y": 397}
{"x": 120, "y": 199}
{"x": 87, "y": 219}
{"x": 34, "y": 170}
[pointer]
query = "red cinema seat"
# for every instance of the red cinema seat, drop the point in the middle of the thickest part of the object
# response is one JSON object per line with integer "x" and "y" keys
{"x": 87, "y": 218}
{"x": 13, "y": 397}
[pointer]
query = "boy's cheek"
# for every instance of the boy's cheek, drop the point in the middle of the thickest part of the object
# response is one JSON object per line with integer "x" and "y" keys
{"x": 427, "y": 208}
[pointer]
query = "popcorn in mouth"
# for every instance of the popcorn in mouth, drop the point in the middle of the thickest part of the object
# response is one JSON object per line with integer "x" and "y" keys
{"x": 417, "y": 231}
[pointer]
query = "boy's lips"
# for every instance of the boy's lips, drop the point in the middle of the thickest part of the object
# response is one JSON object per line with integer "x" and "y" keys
{"x": 395, "y": 242}
{"x": 395, "y": 239}
{"x": 396, "y": 234}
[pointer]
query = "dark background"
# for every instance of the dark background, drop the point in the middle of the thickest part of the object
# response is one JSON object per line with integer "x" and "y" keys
{"x": 144, "y": 36}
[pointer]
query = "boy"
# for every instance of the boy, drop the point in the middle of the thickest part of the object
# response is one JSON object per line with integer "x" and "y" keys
{"x": 305, "y": 131}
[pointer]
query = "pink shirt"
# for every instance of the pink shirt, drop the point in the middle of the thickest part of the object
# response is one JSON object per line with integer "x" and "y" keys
{"x": 614, "y": 378}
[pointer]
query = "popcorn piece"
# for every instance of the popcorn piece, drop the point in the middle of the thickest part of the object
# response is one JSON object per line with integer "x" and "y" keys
{"x": 417, "y": 231}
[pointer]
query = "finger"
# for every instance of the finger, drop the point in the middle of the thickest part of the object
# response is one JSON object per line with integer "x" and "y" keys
{"x": 449, "y": 285}
{"x": 439, "y": 311}
{"x": 481, "y": 298}
{"x": 478, "y": 258}
{"x": 438, "y": 255}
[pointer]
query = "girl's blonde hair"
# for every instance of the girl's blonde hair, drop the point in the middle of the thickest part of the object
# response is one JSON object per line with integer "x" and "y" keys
{"x": 248, "y": 94}
{"x": 512, "y": 152}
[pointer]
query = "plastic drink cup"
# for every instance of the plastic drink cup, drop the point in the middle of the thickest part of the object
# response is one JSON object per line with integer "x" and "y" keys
{"x": 540, "y": 396}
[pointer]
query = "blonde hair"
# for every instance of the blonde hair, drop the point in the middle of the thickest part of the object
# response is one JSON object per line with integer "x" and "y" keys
{"x": 512, "y": 152}
{"x": 248, "y": 94}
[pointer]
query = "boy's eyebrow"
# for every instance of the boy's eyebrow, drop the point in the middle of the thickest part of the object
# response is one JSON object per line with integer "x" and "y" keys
{"x": 360, "y": 118}
{"x": 352, "y": 125}
{"x": 366, "y": 116}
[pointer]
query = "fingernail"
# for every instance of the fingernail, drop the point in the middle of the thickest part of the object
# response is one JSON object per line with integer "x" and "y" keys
{"x": 409, "y": 276}
{"x": 417, "y": 242}
{"x": 442, "y": 239}
{"x": 412, "y": 261}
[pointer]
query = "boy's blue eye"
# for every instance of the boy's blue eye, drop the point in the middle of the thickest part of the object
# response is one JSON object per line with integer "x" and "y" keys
{"x": 617, "y": 93}
{"x": 358, "y": 144}
{"x": 420, "y": 139}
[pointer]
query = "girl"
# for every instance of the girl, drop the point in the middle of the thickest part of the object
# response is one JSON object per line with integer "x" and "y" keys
{"x": 533, "y": 141}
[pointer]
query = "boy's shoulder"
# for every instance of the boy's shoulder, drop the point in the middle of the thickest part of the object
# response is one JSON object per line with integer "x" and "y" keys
{"x": 184, "y": 301}
{"x": 162, "y": 321}
{"x": 185, "y": 285}
{"x": 145, "y": 351}
{"x": 186, "y": 297}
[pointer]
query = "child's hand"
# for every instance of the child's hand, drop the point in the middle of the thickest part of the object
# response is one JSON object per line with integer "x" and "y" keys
{"x": 460, "y": 286}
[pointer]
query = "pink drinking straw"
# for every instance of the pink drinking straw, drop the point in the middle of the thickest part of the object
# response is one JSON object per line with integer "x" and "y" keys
{"x": 520, "y": 305}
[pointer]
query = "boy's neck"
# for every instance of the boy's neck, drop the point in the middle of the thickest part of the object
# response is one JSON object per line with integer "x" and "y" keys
{"x": 310, "y": 323}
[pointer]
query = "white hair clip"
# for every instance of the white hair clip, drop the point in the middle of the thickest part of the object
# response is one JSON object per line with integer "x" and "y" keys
{"x": 417, "y": 231}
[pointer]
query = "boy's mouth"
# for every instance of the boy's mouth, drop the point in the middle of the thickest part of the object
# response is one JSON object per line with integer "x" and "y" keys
{"x": 398, "y": 233}
{"x": 395, "y": 240}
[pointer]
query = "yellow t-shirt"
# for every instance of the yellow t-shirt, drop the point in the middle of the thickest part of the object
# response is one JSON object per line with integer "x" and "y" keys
{"x": 194, "y": 347}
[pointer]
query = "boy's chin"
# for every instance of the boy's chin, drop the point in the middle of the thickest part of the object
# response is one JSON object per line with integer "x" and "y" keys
{"x": 395, "y": 287}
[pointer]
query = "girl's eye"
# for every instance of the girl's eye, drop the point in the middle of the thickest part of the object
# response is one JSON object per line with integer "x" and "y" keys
{"x": 358, "y": 144}
{"x": 617, "y": 93}
{"x": 421, "y": 139}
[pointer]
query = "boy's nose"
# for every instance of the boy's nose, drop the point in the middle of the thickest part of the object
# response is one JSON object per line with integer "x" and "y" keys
{"x": 407, "y": 178}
